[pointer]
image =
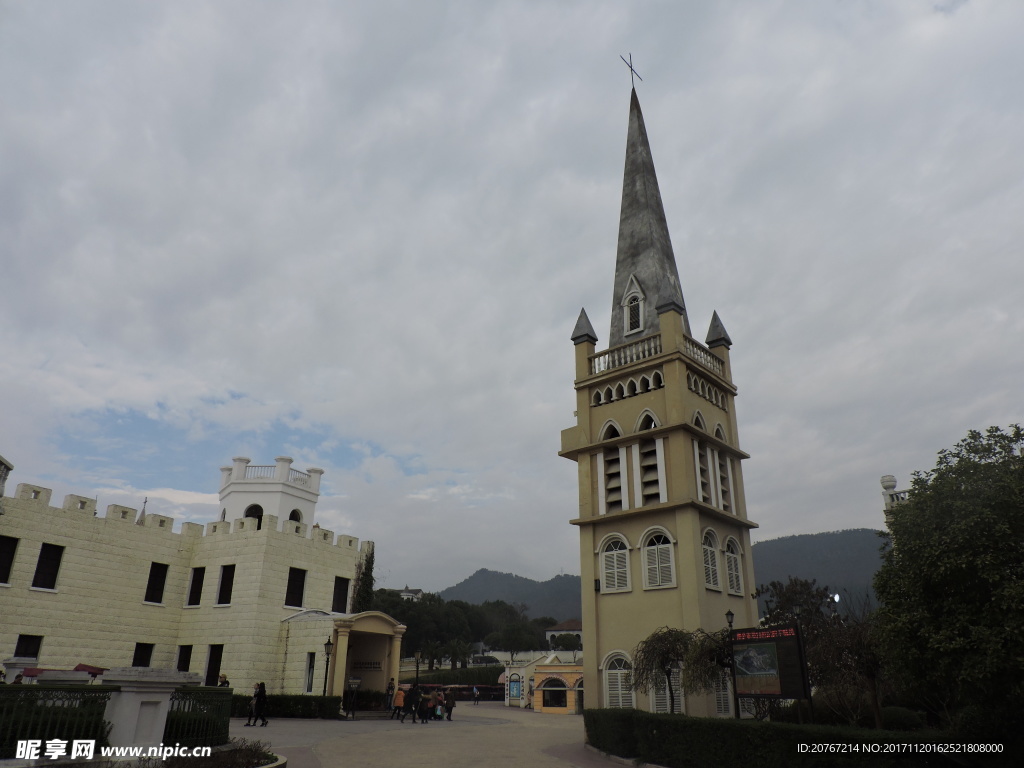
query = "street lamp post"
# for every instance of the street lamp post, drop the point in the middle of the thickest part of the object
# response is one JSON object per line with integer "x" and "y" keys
{"x": 729, "y": 616}
{"x": 417, "y": 657}
{"x": 328, "y": 647}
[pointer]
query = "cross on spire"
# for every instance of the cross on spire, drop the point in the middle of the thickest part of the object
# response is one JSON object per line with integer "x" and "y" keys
{"x": 632, "y": 72}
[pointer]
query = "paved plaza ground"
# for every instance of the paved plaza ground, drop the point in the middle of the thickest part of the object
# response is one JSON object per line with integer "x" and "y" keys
{"x": 486, "y": 735}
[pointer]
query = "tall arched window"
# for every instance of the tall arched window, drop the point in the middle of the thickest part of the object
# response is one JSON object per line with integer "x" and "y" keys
{"x": 710, "y": 547}
{"x": 724, "y": 475}
{"x": 615, "y": 566}
{"x": 659, "y": 568}
{"x": 661, "y": 701}
{"x": 617, "y": 679}
{"x": 732, "y": 567}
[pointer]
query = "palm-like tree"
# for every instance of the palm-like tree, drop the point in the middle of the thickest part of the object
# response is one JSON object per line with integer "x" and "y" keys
{"x": 458, "y": 651}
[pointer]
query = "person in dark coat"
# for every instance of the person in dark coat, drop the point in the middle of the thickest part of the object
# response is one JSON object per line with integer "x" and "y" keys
{"x": 412, "y": 701}
{"x": 449, "y": 702}
{"x": 260, "y": 710}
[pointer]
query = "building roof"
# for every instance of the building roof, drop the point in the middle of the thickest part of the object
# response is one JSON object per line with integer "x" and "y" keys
{"x": 644, "y": 248}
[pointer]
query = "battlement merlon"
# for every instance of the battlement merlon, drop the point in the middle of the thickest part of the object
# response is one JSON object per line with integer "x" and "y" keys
{"x": 39, "y": 498}
{"x": 242, "y": 471}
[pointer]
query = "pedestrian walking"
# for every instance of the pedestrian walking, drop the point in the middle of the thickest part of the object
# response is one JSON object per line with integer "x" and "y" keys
{"x": 424, "y": 705}
{"x": 412, "y": 700}
{"x": 390, "y": 693}
{"x": 449, "y": 702}
{"x": 476, "y": 696}
{"x": 252, "y": 706}
{"x": 398, "y": 701}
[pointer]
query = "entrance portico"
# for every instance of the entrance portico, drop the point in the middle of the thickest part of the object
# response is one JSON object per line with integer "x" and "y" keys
{"x": 368, "y": 646}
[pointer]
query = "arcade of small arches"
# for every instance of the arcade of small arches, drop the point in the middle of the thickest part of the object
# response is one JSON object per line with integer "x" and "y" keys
{"x": 635, "y": 385}
{"x": 658, "y": 555}
{"x": 708, "y": 391}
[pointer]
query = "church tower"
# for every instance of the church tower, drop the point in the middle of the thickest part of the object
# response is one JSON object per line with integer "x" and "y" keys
{"x": 664, "y": 534}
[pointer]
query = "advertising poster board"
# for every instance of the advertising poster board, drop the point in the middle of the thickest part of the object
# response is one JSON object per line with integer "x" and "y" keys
{"x": 767, "y": 663}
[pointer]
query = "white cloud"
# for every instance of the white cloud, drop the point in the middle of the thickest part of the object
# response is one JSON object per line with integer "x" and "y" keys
{"x": 313, "y": 231}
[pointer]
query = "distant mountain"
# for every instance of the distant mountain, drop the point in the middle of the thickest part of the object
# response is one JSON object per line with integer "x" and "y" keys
{"x": 558, "y": 598}
{"x": 843, "y": 561}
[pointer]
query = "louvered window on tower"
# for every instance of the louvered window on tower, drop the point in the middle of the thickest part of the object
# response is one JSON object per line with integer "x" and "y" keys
{"x": 658, "y": 571}
{"x": 703, "y": 460}
{"x": 619, "y": 694}
{"x": 615, "y": 566}
{"x": 710, "y": 547}
{"x": 732, "y": 568}
{"x": 612, "y": 480}
{"x": 650, "y": 477}
{"x": 724, "y": 482}
{"x": 661, "y": 701}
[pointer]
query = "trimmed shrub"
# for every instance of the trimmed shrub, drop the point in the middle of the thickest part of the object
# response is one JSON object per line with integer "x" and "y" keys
{"x": 612, "y": 730}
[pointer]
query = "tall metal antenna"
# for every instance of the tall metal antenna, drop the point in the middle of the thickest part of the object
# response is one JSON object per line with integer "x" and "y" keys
{"x": 632, "y": 72}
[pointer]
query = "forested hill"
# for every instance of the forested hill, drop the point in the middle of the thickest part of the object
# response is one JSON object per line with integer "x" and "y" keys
{"x": 558, "y": 597}
{"x": 843, "y": 561}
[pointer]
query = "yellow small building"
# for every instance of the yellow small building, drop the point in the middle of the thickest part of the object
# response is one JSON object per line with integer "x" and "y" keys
{"x": 558, "y": 686}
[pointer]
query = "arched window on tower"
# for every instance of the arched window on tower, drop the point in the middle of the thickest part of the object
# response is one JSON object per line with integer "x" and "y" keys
{"x": 724, "y": 478}
{"x": 295, "y": 516}
{"x": 611, "y": 471}
{"x": 617, "y": 683}
{"x": 710, "y": 547}
{"x": 632, "y": 307}
{"x": 615, "y": 566}
{"x": 732, "y": 567}
{"x": 659, "y": 570}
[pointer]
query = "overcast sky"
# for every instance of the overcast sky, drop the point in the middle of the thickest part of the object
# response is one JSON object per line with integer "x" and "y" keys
{"x": 359, "y": 234}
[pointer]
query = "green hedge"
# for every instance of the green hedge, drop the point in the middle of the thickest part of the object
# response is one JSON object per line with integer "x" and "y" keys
{"x": 280, "y": 705}
{"x": 678, "y": 741}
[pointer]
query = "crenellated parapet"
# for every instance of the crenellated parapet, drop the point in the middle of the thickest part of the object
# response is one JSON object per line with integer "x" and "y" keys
{"x": 37, "y": 500}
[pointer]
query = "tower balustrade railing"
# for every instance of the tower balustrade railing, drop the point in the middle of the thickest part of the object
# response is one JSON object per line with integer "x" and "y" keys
{"x": 260, "y": 472}
{"x": 697, "y": 351}
{"x": 297, "y": 477}
{"x": 625, "y": 354}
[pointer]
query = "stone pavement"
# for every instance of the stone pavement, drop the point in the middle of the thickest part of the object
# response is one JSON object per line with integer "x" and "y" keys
{"x": 486, "y": 735}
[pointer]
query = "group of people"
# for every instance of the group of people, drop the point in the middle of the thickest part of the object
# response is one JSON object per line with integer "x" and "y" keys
{"x": 424, "y": 705}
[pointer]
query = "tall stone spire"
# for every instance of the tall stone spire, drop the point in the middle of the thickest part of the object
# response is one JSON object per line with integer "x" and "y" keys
{"x": 645, "y": 267}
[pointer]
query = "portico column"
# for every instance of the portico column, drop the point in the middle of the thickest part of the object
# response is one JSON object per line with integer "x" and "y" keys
{"x": 336, "y": 685}
{"x": 395, "y": 665}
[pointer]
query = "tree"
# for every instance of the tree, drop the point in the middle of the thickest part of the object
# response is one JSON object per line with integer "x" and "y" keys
{"x": 567, "y": 642}
{"x": 458, "y": 651}
{"x": 362, "y": 597}
{"x": 951, "y": 584}
{"x": 699, "y": 656}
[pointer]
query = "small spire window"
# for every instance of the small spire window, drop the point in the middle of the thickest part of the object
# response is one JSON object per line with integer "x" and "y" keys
{"x": 632, "y": 307}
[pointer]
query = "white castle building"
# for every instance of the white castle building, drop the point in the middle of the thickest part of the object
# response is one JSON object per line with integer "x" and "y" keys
{"x": 254, "y": 595}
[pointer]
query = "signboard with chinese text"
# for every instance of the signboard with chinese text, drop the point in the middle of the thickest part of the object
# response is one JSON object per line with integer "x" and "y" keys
{"x": 767, "y": 663}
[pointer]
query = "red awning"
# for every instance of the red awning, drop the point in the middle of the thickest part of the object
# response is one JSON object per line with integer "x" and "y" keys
{"x": 94, "y": 671}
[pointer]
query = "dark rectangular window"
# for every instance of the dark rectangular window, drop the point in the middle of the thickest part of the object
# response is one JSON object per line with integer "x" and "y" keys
{"x": 213, "y": 662}
{"x": 8, "y": 546}
{"x": 184, "y": 657}
{"x": 28, "y": 646}
{"x": 340, "y": 602}
{"x": 143, "y": 655}
{"x": 155, "y": 585}
{"x": 49, "y": 564}
{"x": 296, "y": 586}
{"x": 310, "y": 669}
{"x": 227, "y": 580}
{"x": 195, "y": 589}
